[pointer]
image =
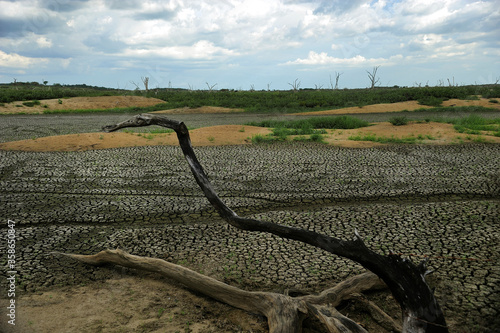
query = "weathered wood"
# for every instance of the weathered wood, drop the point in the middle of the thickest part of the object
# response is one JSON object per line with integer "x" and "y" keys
{"x": 284, "y": 313}
{"x": 420, "y": 309}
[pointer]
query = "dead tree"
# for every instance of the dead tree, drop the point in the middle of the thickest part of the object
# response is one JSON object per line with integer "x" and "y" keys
{"x": 211, "y": 87}
{"x": 337, "y": 77}
{"x": 420, "y": 309}
{"x": 295, "y": 85}
{"x": 145, "y": 81}
{"x": 372, "y": 76}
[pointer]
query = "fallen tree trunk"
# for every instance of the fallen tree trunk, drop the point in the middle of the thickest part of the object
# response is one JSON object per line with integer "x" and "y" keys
{"x": 406, "y": 281}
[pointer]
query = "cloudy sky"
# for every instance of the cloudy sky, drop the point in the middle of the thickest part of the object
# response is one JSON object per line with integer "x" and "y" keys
{"x": 257, "y": 44}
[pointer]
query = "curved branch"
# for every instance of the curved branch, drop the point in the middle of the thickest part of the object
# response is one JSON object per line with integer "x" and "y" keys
{"x": 421, "y": 311}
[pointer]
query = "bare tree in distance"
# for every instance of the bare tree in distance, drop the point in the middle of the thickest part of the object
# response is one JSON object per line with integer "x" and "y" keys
{"x": 295, "y": 85}
{"x": 269, "y": 86}
{"x": 318, "y": 86}
{"x": 337, "y": 77}
{"x": 145, "y": 81}
{"x": 420, "y": 310}
{"x": 211, "y": 87}
{"x": 372, "y": 76}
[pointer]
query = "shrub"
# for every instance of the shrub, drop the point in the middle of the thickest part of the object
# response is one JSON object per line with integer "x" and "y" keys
{"x": 32, "y": 103}
{"x": 398, "y": 121}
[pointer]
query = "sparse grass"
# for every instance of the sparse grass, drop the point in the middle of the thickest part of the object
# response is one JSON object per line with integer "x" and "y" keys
{"x": 383, "y": 139}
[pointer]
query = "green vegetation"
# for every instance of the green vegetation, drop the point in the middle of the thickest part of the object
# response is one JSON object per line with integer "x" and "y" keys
{"x": 431, "y": 100}
{"x": 474, "y": 124}
{"x": 314, "y": 127}
{"x": 383, "y": 139}
{"x": 32, "y": 103}
{"x": 25, "y": 91}
{"x": 340, "y": 122}
{"x": 399, "y": 121}
{"x": 280, "y": 101}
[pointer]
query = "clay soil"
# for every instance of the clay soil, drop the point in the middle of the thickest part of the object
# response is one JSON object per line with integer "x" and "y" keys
{"x": 143, "y": 304}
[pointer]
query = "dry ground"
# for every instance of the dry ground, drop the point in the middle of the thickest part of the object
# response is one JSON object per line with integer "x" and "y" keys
{"x": 143, "y": 304}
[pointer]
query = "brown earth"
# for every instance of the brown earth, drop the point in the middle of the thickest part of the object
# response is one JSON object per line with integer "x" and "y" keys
{"x": 80, "y": 103}
{"x": 126, "y": 304}
{"x": 400, "y": 106}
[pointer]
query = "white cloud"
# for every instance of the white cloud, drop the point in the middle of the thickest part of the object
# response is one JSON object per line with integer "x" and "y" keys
{"x": 323, "y": 58}
{"x": 253, "y": 35}
{"x": 44, "y": 42}
{"x": 200, "y": 50}
{"x": 13, "y": 60}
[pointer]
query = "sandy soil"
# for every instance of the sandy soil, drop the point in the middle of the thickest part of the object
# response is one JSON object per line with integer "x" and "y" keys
{"x": 400, "y": 106}
{"x": 127, "y": 304}
{"x": 80, "y": 103}
{"x": 432, "y": 133}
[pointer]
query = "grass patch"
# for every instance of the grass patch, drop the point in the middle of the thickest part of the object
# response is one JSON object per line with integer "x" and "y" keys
{"x": 474, "y": 124}
{"x": 259, "y": 138}
{"x": 341, "y": 122}
{"x": 314, "y": 127}
{"x": 384, "y": 139}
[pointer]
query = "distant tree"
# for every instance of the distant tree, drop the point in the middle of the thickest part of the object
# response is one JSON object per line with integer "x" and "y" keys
{"x": 211, "y": 87}
{"x": 295, "y": 85}
{"x": 145, "y": 81}
{"x": 373, "y": 77}
{"x": 337, "y": 77}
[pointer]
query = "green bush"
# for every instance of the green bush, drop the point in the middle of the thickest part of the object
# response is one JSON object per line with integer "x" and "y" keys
{"x": 399, "y": 121}
{"x": 31, "y": 104}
